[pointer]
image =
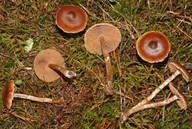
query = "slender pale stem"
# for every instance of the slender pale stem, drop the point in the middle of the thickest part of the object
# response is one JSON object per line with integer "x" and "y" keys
{"x": 124, "y": 116}
{"x": 157, "y": 90}
{"x": 64, "y": 71}
{"x": 109, "y": 78}
{"x": 33, "y": 98}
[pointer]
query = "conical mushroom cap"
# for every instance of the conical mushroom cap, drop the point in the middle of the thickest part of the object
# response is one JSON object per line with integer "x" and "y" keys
{"x": 110, "y": 33}
{"x": 182, "y": 102}
{"x": 41, "y": 62}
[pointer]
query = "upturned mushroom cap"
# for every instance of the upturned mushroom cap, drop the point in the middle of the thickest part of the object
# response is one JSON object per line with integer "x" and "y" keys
{"x": 110, "y": 33}
{"x": 182, "y": 102}
{"x": 174, "y": 66}
{"x": 153, "y": 47}
{"x": 41, "y": 62}
{"x": 71, "y": 19}
{"x": 7, "y": 95}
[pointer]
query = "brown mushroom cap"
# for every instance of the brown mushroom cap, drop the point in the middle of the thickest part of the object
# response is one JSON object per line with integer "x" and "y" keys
{"x": 182, "y": 102}
{"x": 71, "y": 19}
{"x": 174, "y": 66}
{"x": 110, "y": 33}
{"x": 41, "y": 62}
{"x": 153, "y": 47}
{"x": 7, "y": 95}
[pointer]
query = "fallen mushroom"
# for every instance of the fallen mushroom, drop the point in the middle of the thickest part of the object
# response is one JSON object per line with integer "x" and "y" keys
{"x": 182, "y": 102}
{"x": 8, "y": 95}
{"x": 153, "y": 47}
{"x": 176, "y": 69}
{"x": 102, "y": 39}
{"x": 71, "y": 19}
{"x": 178, "y": 97}
{"x": 48, "y": 63}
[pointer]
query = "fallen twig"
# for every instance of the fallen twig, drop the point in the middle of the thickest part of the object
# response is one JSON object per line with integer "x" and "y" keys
{"x": 18, "y": 116}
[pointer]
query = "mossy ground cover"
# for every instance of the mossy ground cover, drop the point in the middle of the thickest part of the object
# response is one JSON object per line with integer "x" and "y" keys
{"x": 85, "y": 103}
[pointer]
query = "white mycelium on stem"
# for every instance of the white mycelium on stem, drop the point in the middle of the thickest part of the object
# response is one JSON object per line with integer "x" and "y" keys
{"x": 67, "y": 73}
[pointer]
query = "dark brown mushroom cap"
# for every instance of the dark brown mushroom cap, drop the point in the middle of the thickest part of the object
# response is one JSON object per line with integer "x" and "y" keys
{"x": 153, "y": 47}
{"x": 41, "y": 62}
{"x": 7, "y": 95}
{"x": 182, "y": 102}
{"x": 174, "y": 66}
{"x": 71, "y": 19}
{"x": 110, "y": 33}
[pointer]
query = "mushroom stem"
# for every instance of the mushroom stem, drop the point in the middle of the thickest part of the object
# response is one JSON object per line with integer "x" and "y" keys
{"x": 64, "y": 71}
{"x": 157, "y": 90}
{"x": 109, "y": 78}
{"x": 124, "y": 116}
{"x": 33, "y": 98}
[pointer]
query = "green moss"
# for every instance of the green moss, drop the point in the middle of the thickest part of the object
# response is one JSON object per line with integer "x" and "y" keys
{"x": 36, "y": 20}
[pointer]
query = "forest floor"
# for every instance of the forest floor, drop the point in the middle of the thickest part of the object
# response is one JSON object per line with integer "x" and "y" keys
{"x": 86, "y": 104}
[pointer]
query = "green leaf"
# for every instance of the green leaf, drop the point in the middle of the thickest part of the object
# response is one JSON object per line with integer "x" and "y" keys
{"x": 29, "y": 45}
{"x": 18, "y": 82}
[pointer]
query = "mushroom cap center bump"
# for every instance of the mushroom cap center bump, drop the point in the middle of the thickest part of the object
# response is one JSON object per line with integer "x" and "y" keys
{"x": 153, "y": 47}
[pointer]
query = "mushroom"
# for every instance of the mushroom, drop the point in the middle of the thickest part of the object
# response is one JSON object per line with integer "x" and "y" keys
{"x": 178, "y": 97}
{"x": 71, "y": 19}
{"x": 8, "y": 95}
{"x": 181, "y": 101}
{"x": 48, "y": 63}
{"x": 101, "y": 39}
{"x": 177, "y": 69}
{"x": 153, "y": 47}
